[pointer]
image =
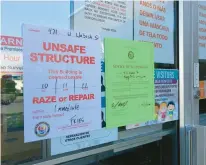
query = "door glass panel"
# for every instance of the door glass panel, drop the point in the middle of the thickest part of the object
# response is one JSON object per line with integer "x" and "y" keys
{"x": 202, "y": 60}
{"x": 54, "y": 14}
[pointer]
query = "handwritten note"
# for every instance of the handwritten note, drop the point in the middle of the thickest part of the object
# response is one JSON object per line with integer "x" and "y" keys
{"x": 129, "y": 75}
{"x": 62, "y": 89}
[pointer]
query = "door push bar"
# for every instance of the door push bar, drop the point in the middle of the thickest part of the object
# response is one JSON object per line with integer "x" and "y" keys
{"x": 191, "y": 146}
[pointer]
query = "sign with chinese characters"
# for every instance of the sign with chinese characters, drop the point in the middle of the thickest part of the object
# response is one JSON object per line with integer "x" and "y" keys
{"x": 62, "y": 90}
{"x": 166, "y": 98}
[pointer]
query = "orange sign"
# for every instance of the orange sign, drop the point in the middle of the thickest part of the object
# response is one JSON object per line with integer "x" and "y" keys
{"x": 202, "y": 89}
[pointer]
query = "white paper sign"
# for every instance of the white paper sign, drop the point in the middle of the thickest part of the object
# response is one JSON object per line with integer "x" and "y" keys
{"x": 62, "y": 90}
{"x": 109, "y": 18}
{"x": 154, "y": 22}
{"x": 11, "y": 59}
{"x": 86, "y": 139}
{"x": 83, "y": 140}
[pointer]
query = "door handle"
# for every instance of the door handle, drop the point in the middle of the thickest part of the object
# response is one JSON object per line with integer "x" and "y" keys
{"x": 190, "y": 145}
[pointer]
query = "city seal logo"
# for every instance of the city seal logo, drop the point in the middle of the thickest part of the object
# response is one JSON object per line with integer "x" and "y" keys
{"x": 42, "y": 129}
{"x": 131, "y": 55}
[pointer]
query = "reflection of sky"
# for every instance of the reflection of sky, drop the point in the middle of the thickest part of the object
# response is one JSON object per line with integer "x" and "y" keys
{"x": 48, "y": 13}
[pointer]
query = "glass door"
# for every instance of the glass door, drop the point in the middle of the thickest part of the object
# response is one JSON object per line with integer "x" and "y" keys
{"x": 201, "y": 128}
{"x": 202, "y": 60}
{"x": 192, "y": 61}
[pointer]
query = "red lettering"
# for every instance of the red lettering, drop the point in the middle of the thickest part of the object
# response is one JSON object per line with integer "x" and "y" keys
{"x": 81, "y": 97}
{"x": 63, "y": 48}
{"x": 49, "y": 58}
{"x": 86, "y": 60}
{"x": 46, "y": 48}
{"x": 46, "y": 99}
{"x": 142, "y": 33}
{"x": 82, "y": 49}
{"x": 76, "y": 47}
{"x": 61, "y": 58}
{"x": 42, "y": 100}
{"x": 33, "y": 57}
{"x": 35, "y": 100}
{"x": 92, "y": 60}
{"x": 76, "y": 97}
{"x": 157, "y": 45}
{"x": 41, "y": 56}
{"x": 91, "y": 96}
{"x": 70, "y": 49}
{"x": 11, "y": 58}
{"x": 55, "y": 47}
{"x": 64, "y": 59}
{"x": 11, "y": 41}
{"x": 71, "y": 97}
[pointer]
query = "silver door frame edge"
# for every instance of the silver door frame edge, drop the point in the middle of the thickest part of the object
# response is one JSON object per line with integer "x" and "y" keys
{"x": 188, "y": 55}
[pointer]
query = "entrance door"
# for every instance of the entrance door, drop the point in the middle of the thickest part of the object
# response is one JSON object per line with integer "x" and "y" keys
{"x": 201, "y": 129}
{"x": 192, "y": 61}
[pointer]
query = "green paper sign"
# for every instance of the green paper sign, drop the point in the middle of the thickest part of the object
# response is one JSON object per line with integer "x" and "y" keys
{"x": 129, "y": 79}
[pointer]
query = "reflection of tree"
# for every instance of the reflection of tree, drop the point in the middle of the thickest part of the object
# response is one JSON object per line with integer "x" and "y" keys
{"x": 7, "y": 86}
{"x": 8, "y": 90}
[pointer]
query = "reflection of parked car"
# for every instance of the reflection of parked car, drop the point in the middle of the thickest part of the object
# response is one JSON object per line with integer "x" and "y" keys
{"x": 6, "y": 102}
{"x": 7, "y": 99}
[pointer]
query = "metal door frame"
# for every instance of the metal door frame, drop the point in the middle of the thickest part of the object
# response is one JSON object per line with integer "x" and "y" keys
{"x": 188, "y": 56}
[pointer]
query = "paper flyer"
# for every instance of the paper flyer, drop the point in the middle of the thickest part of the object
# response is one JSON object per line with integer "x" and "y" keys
{"x": 61, "y": 96}
{"x": 11, "y": 56}
{"x": 166, "y": 98}
{"x": 89, "y": 13}
{"x": 86, "y": 139}
{"x": 154, "y": 22}
{"x": 129, "y": 78}
{"x": 109, "y": 18}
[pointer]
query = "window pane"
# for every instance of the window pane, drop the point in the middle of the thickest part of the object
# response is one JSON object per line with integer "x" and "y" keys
{"x": 54, "y": 14}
